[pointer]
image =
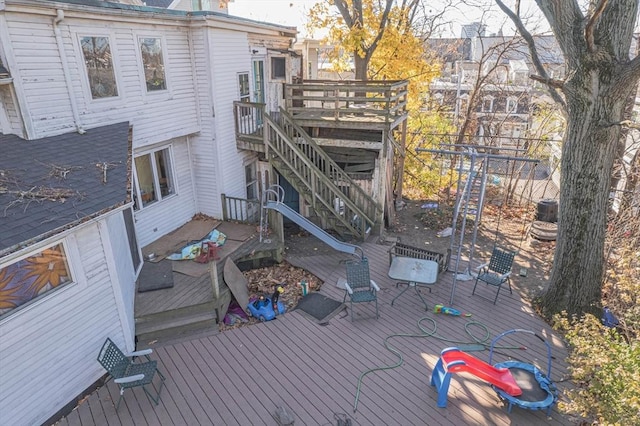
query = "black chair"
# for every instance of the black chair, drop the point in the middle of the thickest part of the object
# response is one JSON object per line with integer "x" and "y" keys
{"x": 127, "y": 372}
{"x": 497, "y": 271}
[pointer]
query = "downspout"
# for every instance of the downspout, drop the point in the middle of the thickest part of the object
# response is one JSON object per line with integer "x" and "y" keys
{"x": 65, "y": 69}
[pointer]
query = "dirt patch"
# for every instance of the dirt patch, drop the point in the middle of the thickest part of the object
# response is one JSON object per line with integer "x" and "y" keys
{"x": 418, "y": 223}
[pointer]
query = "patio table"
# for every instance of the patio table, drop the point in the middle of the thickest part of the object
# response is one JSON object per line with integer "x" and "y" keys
{"x": 415, "y": 273}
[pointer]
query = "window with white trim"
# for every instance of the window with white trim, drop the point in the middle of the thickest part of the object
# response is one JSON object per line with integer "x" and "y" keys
{"x": 512, "y": 105}
{"x": 243, "y": 87}
{"x": 244, "y": 92}
{"x": 31, "y": 277}
{"x": 251, "y": 181}
{"x": 154, "y": 177}
{"x": 98, "y": 61}
{"x": 153, "y": 63}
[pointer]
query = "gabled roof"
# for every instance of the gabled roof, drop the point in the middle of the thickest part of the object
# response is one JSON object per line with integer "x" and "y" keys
{"x": 55, "y": 183}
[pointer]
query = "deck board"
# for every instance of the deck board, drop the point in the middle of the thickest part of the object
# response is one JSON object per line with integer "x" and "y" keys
{"x": 240, "y": 376}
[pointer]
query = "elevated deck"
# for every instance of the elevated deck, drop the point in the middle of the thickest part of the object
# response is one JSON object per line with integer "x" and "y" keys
{"x": 240, "y": 376}
{"x": 368, "y": 105}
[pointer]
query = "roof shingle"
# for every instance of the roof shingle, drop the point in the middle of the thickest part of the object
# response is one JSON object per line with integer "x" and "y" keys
{"x": 54, "y": 183}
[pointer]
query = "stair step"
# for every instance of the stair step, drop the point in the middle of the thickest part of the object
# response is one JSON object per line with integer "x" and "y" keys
{"x": 183, "y": 318}
{"x": 173, "y": 336}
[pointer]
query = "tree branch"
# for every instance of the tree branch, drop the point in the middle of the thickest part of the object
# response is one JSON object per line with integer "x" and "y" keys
{"x": 588, "y": 31}
{"x": 557, "y": 84}
{"x": 535, "y": 58}
{"x": 383, "y": 24}
{"x": 344, "y": 11}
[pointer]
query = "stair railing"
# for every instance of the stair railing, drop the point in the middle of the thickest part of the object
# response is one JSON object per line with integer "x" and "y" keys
{"x": 320, "y": 175}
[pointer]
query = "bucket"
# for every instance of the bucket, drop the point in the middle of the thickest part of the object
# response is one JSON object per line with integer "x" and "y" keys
{"x": 547, "y": 211}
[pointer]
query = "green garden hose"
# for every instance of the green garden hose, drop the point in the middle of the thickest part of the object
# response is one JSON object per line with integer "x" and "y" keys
{"x": 484, "y": 341}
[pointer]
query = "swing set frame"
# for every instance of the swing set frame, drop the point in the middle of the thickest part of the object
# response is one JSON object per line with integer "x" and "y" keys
{"x": 463, "y": 151}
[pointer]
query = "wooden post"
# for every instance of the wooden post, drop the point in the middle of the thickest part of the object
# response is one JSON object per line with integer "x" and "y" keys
{"x": 403, "y": 154}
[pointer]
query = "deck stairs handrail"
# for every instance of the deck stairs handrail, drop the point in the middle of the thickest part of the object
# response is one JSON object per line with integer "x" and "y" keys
{"x": 333, "y": 195}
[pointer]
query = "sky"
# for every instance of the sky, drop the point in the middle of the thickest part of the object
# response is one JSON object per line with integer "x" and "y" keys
{"x": 284, "y": 12}
{"x": 294, "y": 12}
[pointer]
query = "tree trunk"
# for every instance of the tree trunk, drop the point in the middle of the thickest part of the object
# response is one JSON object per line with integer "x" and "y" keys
{"x": 588, "y": 154}
{"x": 361, "y": 65}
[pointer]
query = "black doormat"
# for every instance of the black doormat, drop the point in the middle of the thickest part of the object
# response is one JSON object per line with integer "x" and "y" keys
{"x": 319, "y": 308}
{"x": 155, "y": 276}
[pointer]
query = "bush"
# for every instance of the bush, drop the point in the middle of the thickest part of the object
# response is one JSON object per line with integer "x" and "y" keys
{"x": 605, "y": 362}
{"x": 606, "y": 371}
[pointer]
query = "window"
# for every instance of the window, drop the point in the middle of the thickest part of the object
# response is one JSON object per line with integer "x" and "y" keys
{"x": 251, "y": 181}
{"x": 512, "y": 105}
{"x": 243, "y": 87}
{"x": 153, "y": 64}
{"x": 29, "y": 278}
{"x": 244, "y": 92}
{"x": 154, "y": 177}
{"x": 278, "y": 68}
{"x": 487, "y": 104}
{"x": 99, "y": 64}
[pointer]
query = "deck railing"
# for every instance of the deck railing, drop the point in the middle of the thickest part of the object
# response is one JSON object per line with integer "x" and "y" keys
{"x": 342, "y": 98}
{"x": 240, "y": 210}
{"x": 249, "y": 124}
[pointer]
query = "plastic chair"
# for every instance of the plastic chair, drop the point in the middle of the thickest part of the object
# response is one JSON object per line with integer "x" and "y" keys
{"x": 359, "y": 286}
{"x": 497, "y": 271}
{"x": 127, "y": 372}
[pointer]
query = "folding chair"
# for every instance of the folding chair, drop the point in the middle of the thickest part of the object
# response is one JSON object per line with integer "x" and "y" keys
{"x": 127, "y": 372}
{"x": 359, "y": 286}
{"x": 497, "y": 271}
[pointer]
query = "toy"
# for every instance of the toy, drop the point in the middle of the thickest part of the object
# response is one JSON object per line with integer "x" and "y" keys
{"x": 440, "y": 309}
{"x": 266, "y": 308}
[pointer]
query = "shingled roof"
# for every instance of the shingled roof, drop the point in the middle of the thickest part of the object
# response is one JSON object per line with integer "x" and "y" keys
{"x": 51, "y": 184}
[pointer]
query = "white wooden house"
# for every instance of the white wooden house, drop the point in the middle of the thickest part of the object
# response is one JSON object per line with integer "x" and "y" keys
{"x": 74, "y": 67}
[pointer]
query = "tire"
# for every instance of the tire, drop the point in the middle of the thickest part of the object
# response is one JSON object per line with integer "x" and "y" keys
{"x": 544, "y": 231}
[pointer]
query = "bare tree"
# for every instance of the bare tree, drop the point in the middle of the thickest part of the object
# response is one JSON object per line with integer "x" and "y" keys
{"x": 600, "y": 77}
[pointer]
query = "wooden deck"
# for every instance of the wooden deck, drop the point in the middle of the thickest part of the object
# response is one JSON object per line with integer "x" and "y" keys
{"x": 240, "y": 376}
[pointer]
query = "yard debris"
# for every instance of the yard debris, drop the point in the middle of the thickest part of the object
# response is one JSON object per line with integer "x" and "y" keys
{"x": 104, "y": 167}
{"x": 262, "y": 281}
{"x": 38, "y": 194}
{"x": 59, "y": 172}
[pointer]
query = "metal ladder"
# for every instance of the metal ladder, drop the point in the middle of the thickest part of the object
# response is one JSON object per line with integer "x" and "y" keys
{"x": 469, "y": 204}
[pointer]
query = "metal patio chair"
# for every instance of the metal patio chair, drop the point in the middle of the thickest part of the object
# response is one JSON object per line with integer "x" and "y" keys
{"x": 127, "y": 372}
{"x": 359, "y": 286}
{"x": 497, "y": 271}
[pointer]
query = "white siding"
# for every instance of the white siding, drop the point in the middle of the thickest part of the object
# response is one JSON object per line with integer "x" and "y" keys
{"x": 9, "y": 106}
{"x": 119, "y": 260}
{"x": 155, "y": 117}
{"x": 49, "y": 349}
{"x": 204, "y": 150}
{"x": 230, "y": 55}
{"x": 164, "y": 216}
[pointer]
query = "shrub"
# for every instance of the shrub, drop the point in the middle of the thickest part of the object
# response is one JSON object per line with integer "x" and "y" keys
{"x": 606, "y": 371}
{"x": 605, "y": 362}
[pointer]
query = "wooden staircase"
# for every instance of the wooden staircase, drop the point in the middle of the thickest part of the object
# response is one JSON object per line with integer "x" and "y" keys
{"x": 340, "y": 202}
